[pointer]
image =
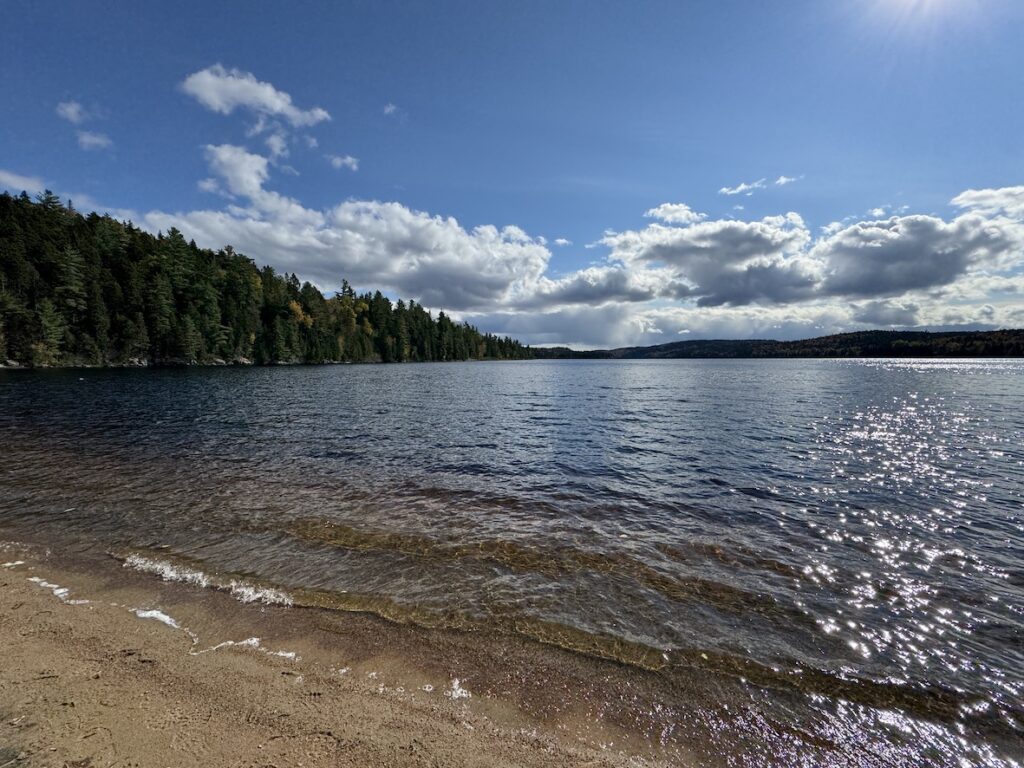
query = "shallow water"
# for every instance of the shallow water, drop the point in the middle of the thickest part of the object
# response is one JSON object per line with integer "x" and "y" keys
{"x": 831, "y": 552}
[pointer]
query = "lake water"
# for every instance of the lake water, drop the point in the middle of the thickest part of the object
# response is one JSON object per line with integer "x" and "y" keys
{"x": 830, "y": 551}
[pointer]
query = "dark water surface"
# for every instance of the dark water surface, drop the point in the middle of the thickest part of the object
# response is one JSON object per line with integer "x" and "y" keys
{"x": 826, "y": 556}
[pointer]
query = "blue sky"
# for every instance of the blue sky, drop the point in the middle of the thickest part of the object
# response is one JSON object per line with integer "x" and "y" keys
{"x": 439, "y": 150}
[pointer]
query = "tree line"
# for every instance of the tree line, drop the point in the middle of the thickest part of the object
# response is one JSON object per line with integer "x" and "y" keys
{"x": 999, "y": 343}
{"x": 90, "y": 290}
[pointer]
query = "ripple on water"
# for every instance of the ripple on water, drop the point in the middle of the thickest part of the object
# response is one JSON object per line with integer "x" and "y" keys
{"x": 850, "y": 533}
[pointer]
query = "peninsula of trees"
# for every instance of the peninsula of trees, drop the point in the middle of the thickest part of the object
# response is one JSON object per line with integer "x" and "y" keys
{"x": 88, "y": 290}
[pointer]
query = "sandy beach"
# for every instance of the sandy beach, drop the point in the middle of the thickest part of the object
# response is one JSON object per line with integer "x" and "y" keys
{"x": 104, "y": 671}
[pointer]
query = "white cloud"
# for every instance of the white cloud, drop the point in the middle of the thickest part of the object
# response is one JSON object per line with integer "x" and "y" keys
{"x": 885, "y": 313}
{"x": 743, "y": 188}
{"x": 343, "y": 161}
{"x": 17, "y": 183}
{"x": 724, "y": 261}
{"x": 390, "y": 109}
{"x": 90, "y": 140}
{"x": 681, "y": 274}
{"x": 72, "y": 111}
{"x": 1008, "y": 201}
{"x": 784, "y": 180}
{"x": 593, "y": 286}
{"x": 675, "y": 213}
{"x": 907, "y": 253}
{"x": 224, "y": 90}
{"x": 311, "y": 141}
{"x": 244, "y": 174}
{"x": 372, "y": 243}
{"x": 561, "y": 242}
{"x": 277, "y": 144}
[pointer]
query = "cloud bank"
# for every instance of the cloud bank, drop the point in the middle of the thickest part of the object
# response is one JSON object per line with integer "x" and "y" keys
{"x": 682, "y": 272}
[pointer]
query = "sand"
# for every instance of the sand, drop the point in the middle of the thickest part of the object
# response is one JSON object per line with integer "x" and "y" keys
{"x": 100, "y": 670}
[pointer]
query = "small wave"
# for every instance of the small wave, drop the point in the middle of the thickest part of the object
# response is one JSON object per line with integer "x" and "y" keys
{"x": 248, "y": 593}
{"x": 243, "y": 591}
{"x": 936, "y": 703}
{"x": 549, "y": 561}
{"x": 167, "y": 571}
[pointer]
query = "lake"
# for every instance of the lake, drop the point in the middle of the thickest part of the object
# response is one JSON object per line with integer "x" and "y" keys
{"x": 808, "y": 551}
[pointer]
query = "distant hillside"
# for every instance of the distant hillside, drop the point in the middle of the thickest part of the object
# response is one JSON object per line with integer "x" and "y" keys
{"x": 1008, "y": 343}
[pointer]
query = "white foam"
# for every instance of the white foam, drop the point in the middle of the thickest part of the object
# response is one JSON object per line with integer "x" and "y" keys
{"x": 248, "y": 593}
{"x": 13, "y": 564}
{"x": 457, "y": 691}
{"x": 61, "y": 593}
{"x": 249, "y": 642}
{"x": 240, "y": 590}
{"x": 160, "y": 616}
{"x": 167, "y": 571}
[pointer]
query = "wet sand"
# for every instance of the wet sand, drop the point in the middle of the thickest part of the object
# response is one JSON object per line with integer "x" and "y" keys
{"x": 103, "y": 667}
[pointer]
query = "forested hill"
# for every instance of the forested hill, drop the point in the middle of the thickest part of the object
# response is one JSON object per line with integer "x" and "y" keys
{"x": 89, "y": 290}
{"x": 1009, "y": 343}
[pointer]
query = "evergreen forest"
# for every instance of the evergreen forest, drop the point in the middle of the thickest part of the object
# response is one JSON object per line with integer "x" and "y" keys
{"x": 81, "y": 290}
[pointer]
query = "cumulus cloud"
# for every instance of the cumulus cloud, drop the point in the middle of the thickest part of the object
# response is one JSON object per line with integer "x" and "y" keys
{"x": 244, "y": 174}
{"x": 681, "y": 273}
{"x": 90, "y": 140}
{"x": 380, "y": 244}
{"x": 343, "y": 161}
{"x": 72, "y": 111}
{"x": 675, "y": 213}
{"x": 593, "y": 286}
{"x": 561, "y": 241}
{"x": 907, "y": 253}
{"x": 746, "y": 188}
{"x": 1008, "y": 201}
{"x": 225, "y": 90}
{"x": 725, "y": 261}
{"x": 884, "y": 313}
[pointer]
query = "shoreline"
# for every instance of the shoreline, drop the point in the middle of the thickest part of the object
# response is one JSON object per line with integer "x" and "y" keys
{"x": 106, "y": 666}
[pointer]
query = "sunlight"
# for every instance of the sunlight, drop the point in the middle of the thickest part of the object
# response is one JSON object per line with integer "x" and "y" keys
{"x": 924, "y": 20}
{"x": 922, "y": 11}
